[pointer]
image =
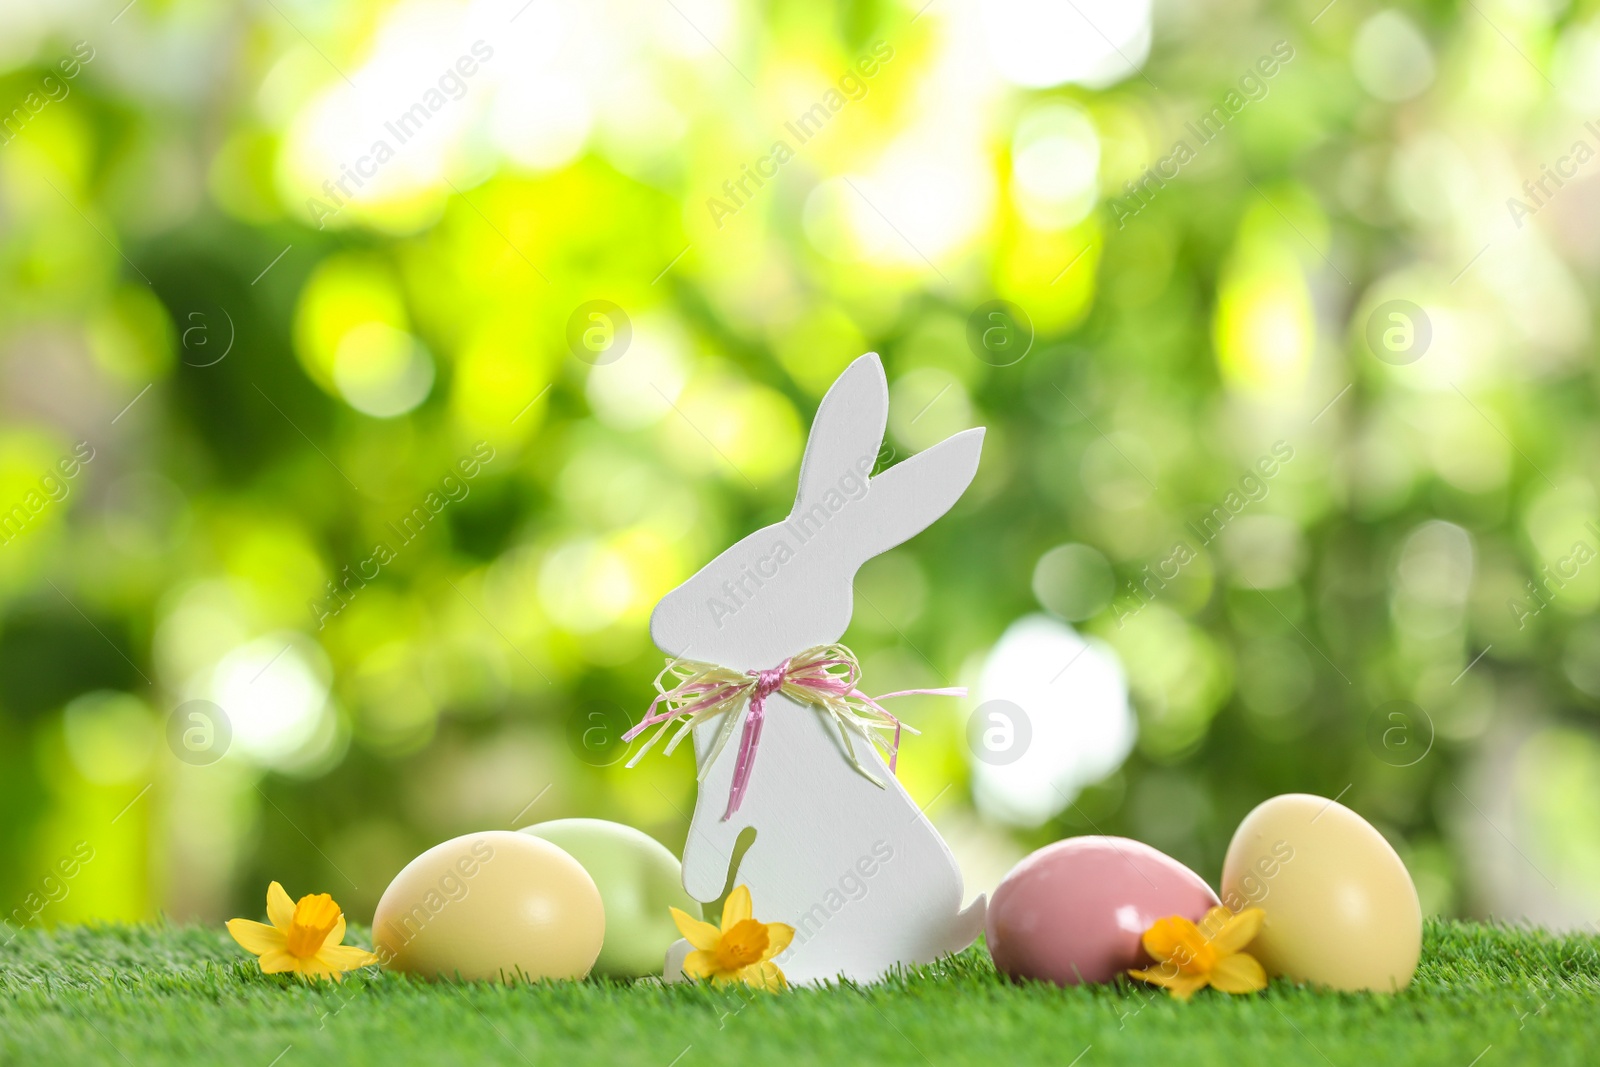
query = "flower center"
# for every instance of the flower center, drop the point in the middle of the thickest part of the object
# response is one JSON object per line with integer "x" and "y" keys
{"x": 743, "y": 945}
{"x": 314, "y": 919}
{"x": 1195, "y": 953}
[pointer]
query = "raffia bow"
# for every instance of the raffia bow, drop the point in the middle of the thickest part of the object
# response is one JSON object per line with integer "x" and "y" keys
{"x": 824, "y": 676}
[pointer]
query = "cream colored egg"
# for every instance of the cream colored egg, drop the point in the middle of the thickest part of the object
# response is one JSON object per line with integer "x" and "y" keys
{"x": 1341, "y": 909}
{"x": 491, "y": 905}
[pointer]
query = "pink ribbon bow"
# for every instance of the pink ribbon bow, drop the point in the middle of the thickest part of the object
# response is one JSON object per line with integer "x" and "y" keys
{"x": 706, "y": 690}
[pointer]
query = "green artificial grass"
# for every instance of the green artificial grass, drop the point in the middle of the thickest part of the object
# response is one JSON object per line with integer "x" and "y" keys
{"x": 153, "y": 995}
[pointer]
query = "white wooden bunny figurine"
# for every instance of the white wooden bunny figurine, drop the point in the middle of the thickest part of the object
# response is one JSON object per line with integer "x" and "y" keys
{"x": 851, "y": 863}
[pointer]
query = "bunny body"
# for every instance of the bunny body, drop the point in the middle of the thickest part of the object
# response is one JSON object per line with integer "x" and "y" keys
{"x": 855, "y": 867}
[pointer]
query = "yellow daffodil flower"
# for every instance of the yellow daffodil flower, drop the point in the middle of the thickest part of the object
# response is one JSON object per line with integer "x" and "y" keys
{"x": 304, "y": 938}
{"x": 1193, "y": 957}
{"x": 741, "y": 951}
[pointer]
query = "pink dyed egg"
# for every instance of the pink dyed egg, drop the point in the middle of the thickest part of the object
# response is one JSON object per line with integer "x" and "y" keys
{"x": 1074, "y": 911}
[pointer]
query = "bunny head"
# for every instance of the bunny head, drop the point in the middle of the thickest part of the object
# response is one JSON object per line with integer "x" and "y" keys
{"x": 787, "y": 587}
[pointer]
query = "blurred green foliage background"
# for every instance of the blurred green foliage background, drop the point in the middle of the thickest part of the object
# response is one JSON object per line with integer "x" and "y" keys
{"x": 263, "y": 344}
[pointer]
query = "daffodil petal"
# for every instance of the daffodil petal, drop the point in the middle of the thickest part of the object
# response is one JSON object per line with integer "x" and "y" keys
{"x": 1163, "y": 977}
{"x": 1188, "y": 986}
{"x": 702, "y": 935}
{"x": 1167, "y": 937}
{"x": 737, "y": 909}
{"x": 1213, "y": 922}
{"x": 336, "y": 935}
{"x": 700, "y": 964}
{"x": 1182, "y": 986}
{"x": 778, "y": 937}
{"x": 771, "y": 974}
{"x": 279, "y": 960}
{"x": 1239, "y": 973}
{"x": 258, "y": 938}
{"x": 345, "y": 957}
{"x": 751, "y": 976}
{"x": 1238, "y": 931}
{"x": 280, "y": 909}
{"x": 316, "y": 968}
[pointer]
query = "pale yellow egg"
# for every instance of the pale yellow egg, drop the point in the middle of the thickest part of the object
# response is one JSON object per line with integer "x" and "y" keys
{"x": 491, "y": 905}
{"x": 1341, "y": 909}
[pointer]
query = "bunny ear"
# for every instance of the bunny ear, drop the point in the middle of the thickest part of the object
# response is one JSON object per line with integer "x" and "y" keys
{"x": 847, "y": 432}
{"x": 905, "y": 499}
